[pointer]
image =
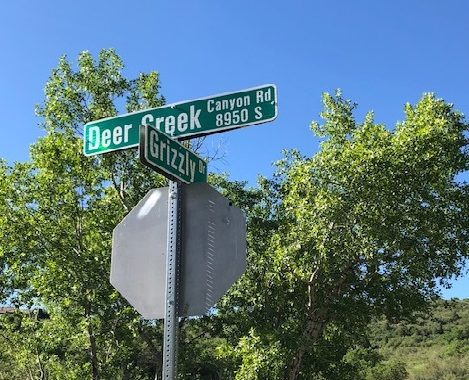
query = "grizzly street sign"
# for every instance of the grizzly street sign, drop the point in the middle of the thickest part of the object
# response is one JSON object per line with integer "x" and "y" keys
{"x": 184, "y": 120}
{"x": 165, "y": 155}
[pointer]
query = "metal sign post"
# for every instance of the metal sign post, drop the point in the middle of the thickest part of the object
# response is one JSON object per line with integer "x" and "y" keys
{"x": 172, "y": 269}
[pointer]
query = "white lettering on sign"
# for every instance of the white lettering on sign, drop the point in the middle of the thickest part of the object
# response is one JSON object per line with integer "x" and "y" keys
{"x": 154, "y": 145}
{"x": 194, "y": 119}
{"x": 161, "y": 150}
{"x": 169, "y": 124}
{"x": 231, "y": 117}
{"x": 258, "y": 112}
{"x": 264, "y": 95}
{"x": 147, "y": 119}
{"x": 97, "y": 138}
{"x": 182, "y": 122}
{"x": 174, "y": 154}
{"x": 106, "y": 138}
{"x": 228, "y": 104}
{"x": 159, "y": 121}
{"x": 192, "y": 167}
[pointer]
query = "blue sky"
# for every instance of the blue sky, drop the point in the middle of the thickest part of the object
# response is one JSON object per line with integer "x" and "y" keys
{"x": 381, "y": 54}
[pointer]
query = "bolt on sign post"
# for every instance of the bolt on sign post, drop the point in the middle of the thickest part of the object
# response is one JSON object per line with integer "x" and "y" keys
{"x": 184, "y": 120}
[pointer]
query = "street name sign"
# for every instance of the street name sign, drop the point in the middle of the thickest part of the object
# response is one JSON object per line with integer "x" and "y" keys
{"x": 184, "y": 120}
{"x": 168, "y": 157}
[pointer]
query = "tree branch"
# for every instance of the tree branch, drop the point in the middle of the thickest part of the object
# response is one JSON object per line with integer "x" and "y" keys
{"x": 120, "y": 192}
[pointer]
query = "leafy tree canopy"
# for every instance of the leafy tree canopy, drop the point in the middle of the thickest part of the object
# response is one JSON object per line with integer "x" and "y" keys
{"x": 368, "y": 226}
{"x": 57, "y": 214}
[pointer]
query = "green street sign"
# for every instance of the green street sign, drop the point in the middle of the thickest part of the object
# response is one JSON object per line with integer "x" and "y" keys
{"x": 168, "y": 157}
{"x": 184, "y": 120}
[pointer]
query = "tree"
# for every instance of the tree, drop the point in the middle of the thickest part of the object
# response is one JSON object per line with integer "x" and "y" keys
{"x": 369, "y": 225}
{"x": 57, "y": 215}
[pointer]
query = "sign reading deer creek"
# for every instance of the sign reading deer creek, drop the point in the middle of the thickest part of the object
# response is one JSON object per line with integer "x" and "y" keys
{"x": 184, "y": 120}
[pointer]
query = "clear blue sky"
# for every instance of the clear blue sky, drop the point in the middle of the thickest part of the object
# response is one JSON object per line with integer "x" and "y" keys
{"x": 381, "y": 54}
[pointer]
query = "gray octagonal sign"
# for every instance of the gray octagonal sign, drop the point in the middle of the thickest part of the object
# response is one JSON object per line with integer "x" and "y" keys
{"x": 213, "y": 252}
{"x": 213, "y": 246}
{"x": 138, "y": 261}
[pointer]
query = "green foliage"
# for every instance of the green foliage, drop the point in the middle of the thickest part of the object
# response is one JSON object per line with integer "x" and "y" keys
{"x": 57, "y": 215}
{"x": 433, "y": 345}
{"x": 363, "y": 228}
{"x": 366, "y": 227}
{"x": 386, "y": 371}
{"x": 258, "y": 358}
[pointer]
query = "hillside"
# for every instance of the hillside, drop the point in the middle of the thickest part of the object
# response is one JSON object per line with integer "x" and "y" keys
{"x": 434, "y": 346}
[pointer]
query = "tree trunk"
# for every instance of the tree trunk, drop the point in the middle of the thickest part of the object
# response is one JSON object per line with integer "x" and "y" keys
{"x": 317, "y": 316}
{"x": 42, "y": 374}
{"x": 93, "y": 351}
{"x": 311, "y": 335}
